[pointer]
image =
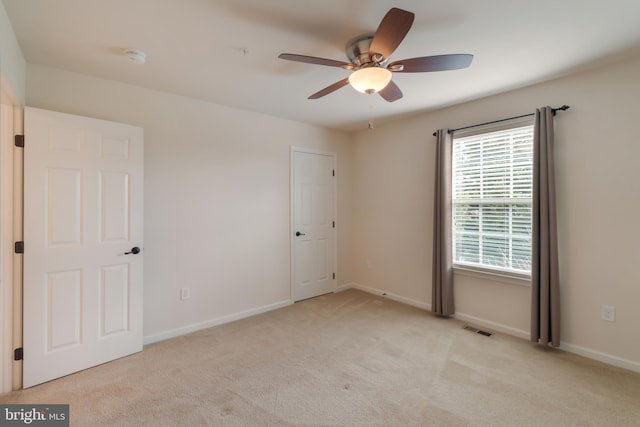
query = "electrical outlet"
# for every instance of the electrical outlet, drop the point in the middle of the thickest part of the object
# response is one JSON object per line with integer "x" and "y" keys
{"x": 608, "y": 313}
{"x": 184, "y": 294}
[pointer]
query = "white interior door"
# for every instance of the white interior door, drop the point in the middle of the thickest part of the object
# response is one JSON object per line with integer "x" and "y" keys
{"x": 83, "y": 213}
{"x": 313, "y": 233}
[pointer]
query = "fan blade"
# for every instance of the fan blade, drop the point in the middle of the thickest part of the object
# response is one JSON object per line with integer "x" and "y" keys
{"x": 394, "y": 27}
{"x": 433, "y": 63}
{"x": 314, "y": 60}
{"x": 391, "y": 92}
{"x": 327, "y": 90}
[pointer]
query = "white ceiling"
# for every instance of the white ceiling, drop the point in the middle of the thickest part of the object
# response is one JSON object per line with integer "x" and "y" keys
{"x": 225, "y": 51}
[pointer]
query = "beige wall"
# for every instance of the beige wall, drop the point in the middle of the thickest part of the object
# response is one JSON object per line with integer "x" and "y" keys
{"x": 216, "y": 196}
{"x": 217, "y": 189}
{"x": 597, "y": 152}
{"x": 12, "y": 63}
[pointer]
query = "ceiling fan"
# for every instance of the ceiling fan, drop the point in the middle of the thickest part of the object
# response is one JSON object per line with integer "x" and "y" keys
{"x": 369, "y": 55}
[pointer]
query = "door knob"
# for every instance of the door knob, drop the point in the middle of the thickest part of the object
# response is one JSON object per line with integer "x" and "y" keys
{"x": 134, "y": 250}
{"x": 300, "y": 234}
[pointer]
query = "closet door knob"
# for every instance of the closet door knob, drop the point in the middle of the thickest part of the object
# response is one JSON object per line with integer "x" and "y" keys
{"x": 134, "y": 251}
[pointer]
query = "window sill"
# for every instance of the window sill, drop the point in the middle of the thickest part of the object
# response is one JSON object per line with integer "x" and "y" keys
{"x": 495, "y": 276}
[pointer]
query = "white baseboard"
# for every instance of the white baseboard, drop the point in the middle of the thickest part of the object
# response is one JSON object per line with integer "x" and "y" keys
{"x": 344, "y": 287}
{"x": 601, "y": 357}
{"x": 494, "y": 326}
{"x": 570, "y": 348}
{"x": 172, "y": 333}
{"x": 399, "y": 298}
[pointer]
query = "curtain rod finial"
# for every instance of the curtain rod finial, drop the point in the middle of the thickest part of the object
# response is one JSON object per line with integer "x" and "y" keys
{"x": 565, "y": 107}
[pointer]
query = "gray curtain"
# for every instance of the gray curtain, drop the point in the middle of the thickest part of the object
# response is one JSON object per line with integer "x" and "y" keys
{"x": 545, "y": 282}
{"x": 442, "y": 291}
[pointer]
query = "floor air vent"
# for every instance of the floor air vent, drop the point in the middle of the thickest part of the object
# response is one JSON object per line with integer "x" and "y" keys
{"x": 477, "y": 331}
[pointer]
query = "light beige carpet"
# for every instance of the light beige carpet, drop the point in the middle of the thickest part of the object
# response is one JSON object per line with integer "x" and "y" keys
{"x": 347, "y": 359}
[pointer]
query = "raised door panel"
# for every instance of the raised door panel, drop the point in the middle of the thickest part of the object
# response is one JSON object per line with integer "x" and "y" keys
{"x": 63, "y": 192}
{"x": 114, "y": 206}
{"x": 63, "y": 308}
{"x": 115, "y": 288}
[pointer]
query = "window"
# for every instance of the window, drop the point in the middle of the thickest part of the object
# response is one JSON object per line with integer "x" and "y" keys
{"x": 492, "y": 190}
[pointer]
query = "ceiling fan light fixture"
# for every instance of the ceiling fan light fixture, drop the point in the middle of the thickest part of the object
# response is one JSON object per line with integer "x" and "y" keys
{"x": 370, "y": 79}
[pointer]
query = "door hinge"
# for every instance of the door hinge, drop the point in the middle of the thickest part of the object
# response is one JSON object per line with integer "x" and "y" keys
{"x": 19, "y": 140}
{"x": 334, "y": 276}
{"x": 334, "y": 224}
{"x": 17, "y": 354}
{"x": 19, "y": 247}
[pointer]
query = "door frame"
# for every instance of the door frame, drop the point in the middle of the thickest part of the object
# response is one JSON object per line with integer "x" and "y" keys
{"x": 334, "y": 156}
{"x": 10, "y": 231}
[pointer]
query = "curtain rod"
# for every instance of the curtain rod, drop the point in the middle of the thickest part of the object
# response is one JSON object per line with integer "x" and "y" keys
{"x": 563, "y": 108}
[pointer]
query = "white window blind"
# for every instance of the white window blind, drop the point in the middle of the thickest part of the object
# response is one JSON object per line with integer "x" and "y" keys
{"x": 492, "y": 190}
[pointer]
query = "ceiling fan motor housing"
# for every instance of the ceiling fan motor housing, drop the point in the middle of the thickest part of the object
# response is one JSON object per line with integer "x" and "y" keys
{"x": 358, "y": 49}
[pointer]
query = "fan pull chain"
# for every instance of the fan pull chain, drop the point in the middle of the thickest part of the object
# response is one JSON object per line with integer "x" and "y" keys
{"x": 370, "y": 96}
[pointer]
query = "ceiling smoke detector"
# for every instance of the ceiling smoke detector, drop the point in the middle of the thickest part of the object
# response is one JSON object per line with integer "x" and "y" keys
{"x": 136, "y": 56}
